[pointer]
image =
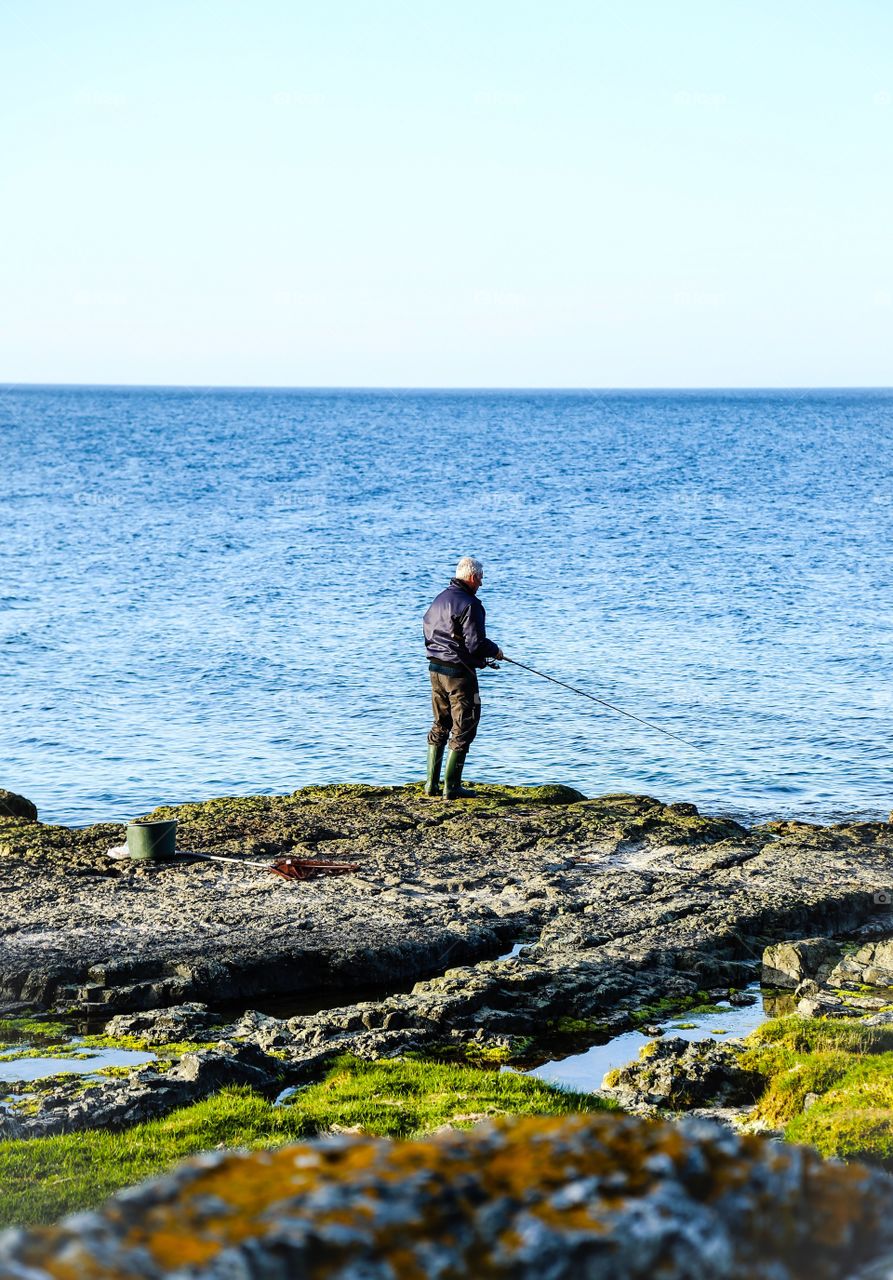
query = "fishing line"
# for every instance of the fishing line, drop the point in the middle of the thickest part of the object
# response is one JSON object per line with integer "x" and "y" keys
{"x": 602, "y": 702}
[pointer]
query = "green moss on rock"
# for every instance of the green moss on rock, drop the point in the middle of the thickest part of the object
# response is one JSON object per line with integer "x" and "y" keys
{"x": 42, "y": 1030}
{"x": 344, "y": 820}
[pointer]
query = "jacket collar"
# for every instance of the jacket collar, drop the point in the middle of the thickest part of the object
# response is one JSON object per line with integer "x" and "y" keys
{"x": 461, "y": 583}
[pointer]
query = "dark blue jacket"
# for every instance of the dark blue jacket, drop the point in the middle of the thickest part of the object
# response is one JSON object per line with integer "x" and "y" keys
{"x": 455, "y": 628}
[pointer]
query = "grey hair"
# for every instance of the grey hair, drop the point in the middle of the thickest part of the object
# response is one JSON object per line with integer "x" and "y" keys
{"x": 469, "y": 567}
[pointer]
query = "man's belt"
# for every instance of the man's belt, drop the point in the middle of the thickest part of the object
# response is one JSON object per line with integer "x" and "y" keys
{"x": 446, "y": 668}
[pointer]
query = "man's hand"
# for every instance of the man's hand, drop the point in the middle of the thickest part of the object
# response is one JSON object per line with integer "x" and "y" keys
{"x": 499, "y": 655}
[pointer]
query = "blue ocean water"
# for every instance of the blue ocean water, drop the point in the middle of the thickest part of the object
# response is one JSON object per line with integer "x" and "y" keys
{"x": 214, "y": 591}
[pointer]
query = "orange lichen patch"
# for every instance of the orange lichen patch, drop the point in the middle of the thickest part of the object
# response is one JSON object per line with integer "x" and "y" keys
{"x": 174, "y": 1248}
{"x": 405, "y": 1265}
{"x": 539, "y": 1158}
{"x": 247, "y": 1186}
{"x": 835, "y": 1191}
{"x": 272, "y": 1171}
{"x": 573, "y": 1178}
{"x": 77, "y": 1265}
{"x": 572, "y": 1218}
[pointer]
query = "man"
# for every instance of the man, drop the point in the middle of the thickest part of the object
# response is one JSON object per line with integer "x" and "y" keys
{"x": 456, "y": 644}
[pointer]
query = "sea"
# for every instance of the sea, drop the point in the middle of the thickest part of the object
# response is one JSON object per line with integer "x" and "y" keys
{"x": 213, "y": 591}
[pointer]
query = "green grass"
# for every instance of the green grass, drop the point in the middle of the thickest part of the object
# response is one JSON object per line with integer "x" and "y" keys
{"x": 849, "y": 1067}
{"x": 42, "y": 1178}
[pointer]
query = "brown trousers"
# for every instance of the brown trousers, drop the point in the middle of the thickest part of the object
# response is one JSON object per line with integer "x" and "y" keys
{"x": 456, "y": 703}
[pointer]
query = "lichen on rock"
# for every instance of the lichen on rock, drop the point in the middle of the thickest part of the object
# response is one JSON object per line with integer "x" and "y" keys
{"x": 606, "y": 1196}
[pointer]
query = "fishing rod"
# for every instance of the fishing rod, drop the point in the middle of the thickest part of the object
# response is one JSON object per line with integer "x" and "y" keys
{"x": 601, "y": 702}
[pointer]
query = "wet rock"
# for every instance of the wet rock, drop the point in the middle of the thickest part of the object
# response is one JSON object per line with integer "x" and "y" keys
{"x": 741, "y": 999}
{"x": 838, "y": 987}
{"x": 211, "y": 1069}
{"x": 10, "y": 1126}
{"x": 787, "y": 964}
{"x": 808, "y": 989}
{"x": 16, "y": 806}
{"x": 192, "y": 1021}
{"x": 14, "y": 1008}
{"x": 679, "y": 1075}
{"x": 606, "y": 1196}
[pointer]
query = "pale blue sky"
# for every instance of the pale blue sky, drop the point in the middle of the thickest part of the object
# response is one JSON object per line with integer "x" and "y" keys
{"x": 652, "y": 193}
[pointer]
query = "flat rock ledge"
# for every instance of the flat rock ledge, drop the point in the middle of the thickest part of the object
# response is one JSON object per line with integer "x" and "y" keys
{"x": 624, "y": 897}
{"x": 622, "y": 900}
{"x": 607, "y": 1197}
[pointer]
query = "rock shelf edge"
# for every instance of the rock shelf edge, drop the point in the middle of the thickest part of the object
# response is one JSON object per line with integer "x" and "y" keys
{"x": 629, "y": 903}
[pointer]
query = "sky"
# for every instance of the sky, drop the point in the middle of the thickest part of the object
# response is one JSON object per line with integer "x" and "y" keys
{"x": 572, "y": 193}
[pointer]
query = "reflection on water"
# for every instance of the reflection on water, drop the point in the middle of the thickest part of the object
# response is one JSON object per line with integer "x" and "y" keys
{"x": 40, "y": 1068}
{"x": 584, "y": 1072}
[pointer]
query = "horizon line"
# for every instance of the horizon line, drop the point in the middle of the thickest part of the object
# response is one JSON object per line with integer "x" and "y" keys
{"x": 431, "y": 387}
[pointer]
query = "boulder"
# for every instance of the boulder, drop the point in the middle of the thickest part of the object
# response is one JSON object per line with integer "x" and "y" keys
{"x": 825, "y": 1005}
{"x": 556, "y": 793}
{"x": 606, "y": 1196}
{"x": 871, "y": 965}
{"x": 264, "y": 1030}
{"x": 787, "y": 964}
{"x": 16, "y": 806}
{"x": 10, "y": 1126}
{"x": 211, "y": 1069}
{"x": 877, "y": 963}
{"x": 680, "y": 1075}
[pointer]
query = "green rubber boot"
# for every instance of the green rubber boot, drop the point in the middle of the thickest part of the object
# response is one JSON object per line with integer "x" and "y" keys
{"x": 452, "y": 777}
{"x": 435, "y": 756}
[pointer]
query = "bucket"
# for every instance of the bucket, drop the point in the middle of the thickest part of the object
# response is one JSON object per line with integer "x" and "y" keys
{"x": 152, "y": 841}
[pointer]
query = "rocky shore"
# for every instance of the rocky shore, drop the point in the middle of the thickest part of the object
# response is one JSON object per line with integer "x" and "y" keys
{"x": 822, "y": 1076}
{"x": 525, "y": 924}
{"x": 626, "y": 906}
